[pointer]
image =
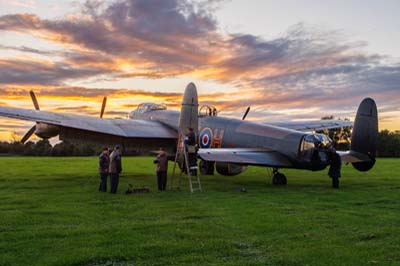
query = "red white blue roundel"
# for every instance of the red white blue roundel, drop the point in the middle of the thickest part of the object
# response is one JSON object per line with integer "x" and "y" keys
{"x": 205, "y": 137}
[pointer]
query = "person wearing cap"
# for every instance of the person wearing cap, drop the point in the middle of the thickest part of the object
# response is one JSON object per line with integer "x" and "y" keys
{"x": 162, "y": 169}
{"x": 115, "y": 168}
{"x": 104, "y": 164}
{"x": 190, "y": 142}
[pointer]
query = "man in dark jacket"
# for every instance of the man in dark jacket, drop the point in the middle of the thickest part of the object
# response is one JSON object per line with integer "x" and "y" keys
{"x": 115, "y": 168}
{"x": 162, "y": 169}
{"x": 335, "y": 168}
{"x": 191, "y": 149}
{"x": 104, "y": 163}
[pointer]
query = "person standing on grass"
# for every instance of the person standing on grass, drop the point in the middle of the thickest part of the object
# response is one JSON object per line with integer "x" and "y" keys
{"x": 104, "y": 164}
{"x": 335, "y": 168}
{"x": 162, "y": 169}
{"x": 115, "y": 168}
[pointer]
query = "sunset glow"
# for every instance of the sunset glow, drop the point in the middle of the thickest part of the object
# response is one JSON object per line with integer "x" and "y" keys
{"x": 133, "y": 51}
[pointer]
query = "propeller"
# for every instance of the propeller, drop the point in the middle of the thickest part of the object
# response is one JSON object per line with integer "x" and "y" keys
{"x": 103, "y": 107}
{"x": 245, "y": 114}
{"x": 34, "y": 100}
{"x": 32, "y": 129}
{"x": 28, "y": 134}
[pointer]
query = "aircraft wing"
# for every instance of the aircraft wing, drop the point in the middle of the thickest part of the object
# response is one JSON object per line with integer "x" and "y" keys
{"x": 246, "y": 156}
{"x": 115, "y": 127}
{"x": 313, "y": 125}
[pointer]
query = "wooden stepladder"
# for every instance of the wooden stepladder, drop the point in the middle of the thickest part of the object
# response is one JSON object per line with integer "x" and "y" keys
{"x": 188, "y": 118}
{"x": 181, "y": 151}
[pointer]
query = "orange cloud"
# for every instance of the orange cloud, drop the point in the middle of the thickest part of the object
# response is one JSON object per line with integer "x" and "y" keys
{"x": 301, "y": 70}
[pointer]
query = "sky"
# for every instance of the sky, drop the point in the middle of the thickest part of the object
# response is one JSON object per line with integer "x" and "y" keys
{"x": 288, "y": 60}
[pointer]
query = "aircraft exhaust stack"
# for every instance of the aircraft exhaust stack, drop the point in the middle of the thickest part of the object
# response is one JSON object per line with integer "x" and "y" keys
{"x": 189, "y": 110}
{"x": 365, "y": 133}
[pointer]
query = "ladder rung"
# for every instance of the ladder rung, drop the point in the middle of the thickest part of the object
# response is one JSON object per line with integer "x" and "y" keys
{"x": 193, "y": 179}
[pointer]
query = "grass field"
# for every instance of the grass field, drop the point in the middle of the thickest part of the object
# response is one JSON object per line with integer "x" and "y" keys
{"x": 52, "y": 214}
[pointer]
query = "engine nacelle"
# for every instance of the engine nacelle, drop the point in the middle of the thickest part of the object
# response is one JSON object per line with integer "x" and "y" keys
{"x": 46, "y": 131}
{"x": 229, "y": 169}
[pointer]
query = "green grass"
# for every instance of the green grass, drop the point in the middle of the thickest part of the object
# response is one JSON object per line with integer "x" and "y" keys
{"x": 52, "y": 214}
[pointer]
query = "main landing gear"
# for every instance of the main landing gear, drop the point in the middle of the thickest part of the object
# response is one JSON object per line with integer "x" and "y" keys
{"x": 278, "y": 178}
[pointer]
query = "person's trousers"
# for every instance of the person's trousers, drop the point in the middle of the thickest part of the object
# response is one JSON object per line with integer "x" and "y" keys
{"x": 103, "y": 182}
{"x": 192, "y": 158}
{"x": 114, "y": 181}
{"x": 161, "y": 180}
{"x": 335, "y": 182}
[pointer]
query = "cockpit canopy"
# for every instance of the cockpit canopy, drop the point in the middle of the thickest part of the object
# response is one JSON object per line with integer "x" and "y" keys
{"x": 207, "y": 110}
{"x": 318, "y": 140}
{"x": 313, "y": 146}
{"x": 147, "y": 107}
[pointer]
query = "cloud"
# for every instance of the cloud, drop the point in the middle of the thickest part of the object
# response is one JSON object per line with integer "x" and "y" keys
{"x": 89, "y": 95}
{"x": 25, "y": 49}
{"x": 28, "y": 72}
{"x": 160, "y": 34}
{"x": 167, "y": 38}
{"x": 304, "y": 67}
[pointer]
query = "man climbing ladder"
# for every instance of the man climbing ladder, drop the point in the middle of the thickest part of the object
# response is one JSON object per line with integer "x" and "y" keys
{"x": 188, "y": 129}
{"x": 190, "y": 145}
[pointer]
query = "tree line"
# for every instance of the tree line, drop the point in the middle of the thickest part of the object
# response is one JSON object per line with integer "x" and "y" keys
{"x": 389, "y": 143}
{"x": 44, "y": 148}
{"x": 388, "y": 146}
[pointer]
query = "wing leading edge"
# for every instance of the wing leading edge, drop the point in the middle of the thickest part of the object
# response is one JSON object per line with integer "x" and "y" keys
{"x": 116, "y": 127}
{"x": 307, "y": 126}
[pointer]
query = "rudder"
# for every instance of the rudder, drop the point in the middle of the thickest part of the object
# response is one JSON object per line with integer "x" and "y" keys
{"x": 365, "y": 133}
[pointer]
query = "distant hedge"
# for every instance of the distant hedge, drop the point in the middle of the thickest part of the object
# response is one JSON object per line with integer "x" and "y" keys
{"x": 389, "y": 144}
{"x": 43, "y": 148}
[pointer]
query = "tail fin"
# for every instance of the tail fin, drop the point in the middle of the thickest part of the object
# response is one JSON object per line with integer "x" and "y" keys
{"x": 189, "y": 110}
{"x": 364, "y": 138}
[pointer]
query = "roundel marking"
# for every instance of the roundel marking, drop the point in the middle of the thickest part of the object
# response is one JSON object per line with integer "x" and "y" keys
{"x": 205, "y": 137}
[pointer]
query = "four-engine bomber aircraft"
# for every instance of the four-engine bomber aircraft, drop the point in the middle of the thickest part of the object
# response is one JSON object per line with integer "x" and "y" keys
{"x": 232, "y": 144}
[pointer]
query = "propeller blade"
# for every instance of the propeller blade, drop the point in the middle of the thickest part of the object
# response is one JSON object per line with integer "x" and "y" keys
{"x": 28, "y": 134}
{"x": 245, "y": 114}
{"x": 34, "y": 100}
{"x": 103, "y": 107}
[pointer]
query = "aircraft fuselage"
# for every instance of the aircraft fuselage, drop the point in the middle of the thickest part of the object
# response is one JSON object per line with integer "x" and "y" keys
{"x": 222, "y": 132}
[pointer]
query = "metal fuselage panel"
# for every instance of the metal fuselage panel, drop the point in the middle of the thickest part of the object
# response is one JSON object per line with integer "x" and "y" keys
{"x": 219, "y": 132}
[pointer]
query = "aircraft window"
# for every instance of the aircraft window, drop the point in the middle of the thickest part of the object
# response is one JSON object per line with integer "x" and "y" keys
{"x": 207, "y": 110}
{"x": 317, "y": 139}
{"x": 140, "y": 108}
{"x": 145, "y": 107}
{"x": 313, "y": 142}
{"x": 158, "y": 107}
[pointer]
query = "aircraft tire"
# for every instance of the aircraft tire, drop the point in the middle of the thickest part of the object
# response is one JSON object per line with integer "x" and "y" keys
{"x": 283, "y": 179}
{"x": 275, "y": 179}
{"x": 279, "y": 179}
